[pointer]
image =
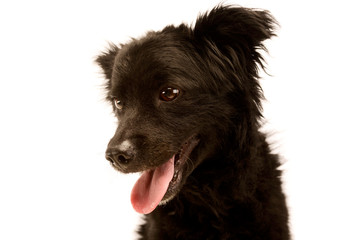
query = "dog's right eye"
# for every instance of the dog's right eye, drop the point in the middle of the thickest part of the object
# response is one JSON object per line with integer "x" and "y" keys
{"x": 118, "y": 104}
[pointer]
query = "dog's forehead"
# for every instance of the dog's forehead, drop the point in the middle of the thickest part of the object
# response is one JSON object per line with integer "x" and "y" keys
{"x": 133, "y": 71}
{"x": 151, "y": 63}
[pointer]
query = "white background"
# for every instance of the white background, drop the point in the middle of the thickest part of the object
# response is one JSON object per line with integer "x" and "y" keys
{"x": 54, "y": 124}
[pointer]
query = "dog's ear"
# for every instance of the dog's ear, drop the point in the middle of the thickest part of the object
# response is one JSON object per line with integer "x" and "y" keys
{"x": 231, "y": 38}
{"x": 106, "y": 60}
{"x": 242, "y": 29}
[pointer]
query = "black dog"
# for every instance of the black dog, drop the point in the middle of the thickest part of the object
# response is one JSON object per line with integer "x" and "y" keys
{"x": 188, "y": 103}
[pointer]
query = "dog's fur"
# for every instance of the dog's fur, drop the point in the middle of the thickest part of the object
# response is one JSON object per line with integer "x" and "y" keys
{"x": 230, "y": 186}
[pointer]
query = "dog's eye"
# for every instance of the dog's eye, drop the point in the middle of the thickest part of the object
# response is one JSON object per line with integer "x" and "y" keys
{"x": 118, "y": 104}
{"x": 169, "y": 94}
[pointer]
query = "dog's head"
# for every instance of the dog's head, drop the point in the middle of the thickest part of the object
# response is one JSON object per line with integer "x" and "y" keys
{"x": 178, "y": 93}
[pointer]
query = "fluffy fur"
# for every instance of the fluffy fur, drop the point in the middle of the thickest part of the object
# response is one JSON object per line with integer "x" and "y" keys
{"x": 230, "y": 186}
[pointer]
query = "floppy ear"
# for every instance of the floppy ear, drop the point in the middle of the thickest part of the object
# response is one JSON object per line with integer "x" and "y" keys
{"x": 106, "y": 60}
{"x": 241, "y": 29}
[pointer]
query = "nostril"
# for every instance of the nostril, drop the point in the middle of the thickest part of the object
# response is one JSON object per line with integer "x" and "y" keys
{"x": 121, "y": 154}
{"x": 123, "y": 159}
{"x": 109, "y": 157}
{"x": 115, "y": 156}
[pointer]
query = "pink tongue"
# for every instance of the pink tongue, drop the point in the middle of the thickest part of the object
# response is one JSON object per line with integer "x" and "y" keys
{"x": 151, "y": 187}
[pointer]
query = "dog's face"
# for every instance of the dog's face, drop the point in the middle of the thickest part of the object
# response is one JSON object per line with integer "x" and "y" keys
{"x": 173, "y": 93}
{"x": 162, "y": 110}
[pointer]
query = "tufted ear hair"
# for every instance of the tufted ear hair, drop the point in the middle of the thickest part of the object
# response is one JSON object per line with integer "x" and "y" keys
{"x": 241, "y": 29}
{"x": 106, "y": 60}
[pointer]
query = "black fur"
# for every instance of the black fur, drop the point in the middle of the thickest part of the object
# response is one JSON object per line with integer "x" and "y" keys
{"x": 231, "y": 186}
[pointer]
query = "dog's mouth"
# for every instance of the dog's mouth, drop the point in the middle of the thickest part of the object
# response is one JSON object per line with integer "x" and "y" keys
{"x": 159, "y": 185}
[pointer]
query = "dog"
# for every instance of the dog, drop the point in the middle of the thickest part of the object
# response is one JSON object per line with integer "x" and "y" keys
{"x": 188, "y": 104}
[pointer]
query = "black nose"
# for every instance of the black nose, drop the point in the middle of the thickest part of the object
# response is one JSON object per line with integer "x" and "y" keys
{"x": 115, "y": 155}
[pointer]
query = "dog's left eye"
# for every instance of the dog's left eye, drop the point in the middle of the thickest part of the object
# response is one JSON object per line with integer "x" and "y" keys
{"x": 169, "y": 94}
